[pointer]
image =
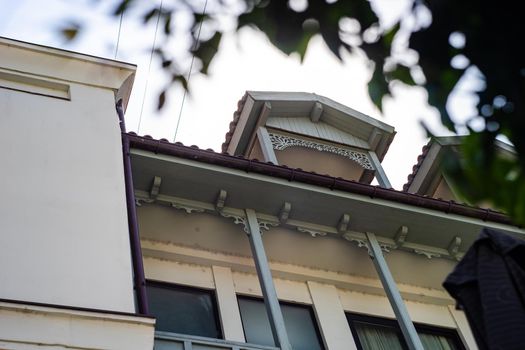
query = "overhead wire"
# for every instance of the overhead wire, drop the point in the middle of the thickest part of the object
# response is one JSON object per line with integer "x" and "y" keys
{"x": 149, "y": 67}
{"x": 189, "y": 73}
{"x": 118, "y": 35}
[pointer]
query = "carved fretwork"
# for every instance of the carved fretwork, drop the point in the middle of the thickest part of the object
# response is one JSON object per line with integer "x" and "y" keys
{"x": 281, "y": 142}
{"x": 188, "y": 209}
{"x": 238, "y": 220}
{"x": 313, "y": 233}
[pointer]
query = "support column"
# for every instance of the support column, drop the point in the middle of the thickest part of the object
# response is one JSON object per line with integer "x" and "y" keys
{"x": 266, "y": 145}
{"x": 400, "y": 310}
{"x": 379, "y": 172}
{"x": 265, "y": 279}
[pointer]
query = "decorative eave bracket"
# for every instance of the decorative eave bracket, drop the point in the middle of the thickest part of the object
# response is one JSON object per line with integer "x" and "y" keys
{"x": 400, "y": 240}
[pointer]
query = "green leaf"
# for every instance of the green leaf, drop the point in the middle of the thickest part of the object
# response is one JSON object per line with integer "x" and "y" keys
{"x": 389, "y": 36}
{"x": 122, "y": 7}
{"x": 161, "y": 100}
{"x": 177, "y": 78}
{"x": 150, "y": 14}
{"x": 167, "y": 23}
{"x": 378, "y": 87}
{"x": 207, "y": 50}
{"x": 401, "y": 73}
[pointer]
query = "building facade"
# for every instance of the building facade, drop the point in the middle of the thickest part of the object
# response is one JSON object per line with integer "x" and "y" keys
{"x": 110, "y": 240}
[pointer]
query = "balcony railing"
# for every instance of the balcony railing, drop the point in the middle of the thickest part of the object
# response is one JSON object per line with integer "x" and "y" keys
{"x": 174, "y": 341}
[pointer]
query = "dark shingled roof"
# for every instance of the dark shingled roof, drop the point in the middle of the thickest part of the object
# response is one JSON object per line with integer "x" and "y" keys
{"x": 416, "y": 167}
{"x": 233, "y": 123}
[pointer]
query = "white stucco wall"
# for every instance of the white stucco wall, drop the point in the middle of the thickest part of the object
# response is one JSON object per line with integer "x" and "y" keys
{"x": 30, "y": 327}
{"x": 63, "y": 222}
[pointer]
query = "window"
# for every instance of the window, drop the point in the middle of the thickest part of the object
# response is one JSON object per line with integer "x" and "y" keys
{"x": 183, "y": 310}
{"x": 373, "y": 333}
{"x": 299, "y": 322}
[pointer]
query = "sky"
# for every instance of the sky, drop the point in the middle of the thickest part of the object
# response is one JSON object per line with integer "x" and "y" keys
{"x": 246, "y": 61}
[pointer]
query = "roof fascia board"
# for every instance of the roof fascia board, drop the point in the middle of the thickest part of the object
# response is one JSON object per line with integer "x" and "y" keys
{"x": 65, "y": 66}
{"x": 307, "y": 96}
{"x": 66, "y": 53}
{"x": 456, "y": 141}
{"x": 355, "y": 114}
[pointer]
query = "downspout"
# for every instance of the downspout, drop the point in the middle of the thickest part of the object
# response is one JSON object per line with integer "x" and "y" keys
{"x": 139, "y": 280}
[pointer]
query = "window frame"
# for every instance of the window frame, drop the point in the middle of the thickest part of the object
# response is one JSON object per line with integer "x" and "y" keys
{"x": 281, "y": 303}
{"x": 181, "y": 287}
{"x": 450, "y": 333}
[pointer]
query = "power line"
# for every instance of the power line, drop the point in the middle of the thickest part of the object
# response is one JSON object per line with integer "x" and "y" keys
{"x": 189, "y": 73}
{"x": 118, "y": 35}
{"x": 149, "y": 67}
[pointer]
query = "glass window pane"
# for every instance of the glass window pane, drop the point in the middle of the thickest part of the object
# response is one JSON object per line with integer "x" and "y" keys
{"x": 183, "y": 310}
{"x": 301, "y": 327}
{"x": 255, "y": 322}
{"x": 436, "y": 342}
{"x": 299, "y": 323}
{"x": 374, "y": 333}
{"x": 376, "y": 337}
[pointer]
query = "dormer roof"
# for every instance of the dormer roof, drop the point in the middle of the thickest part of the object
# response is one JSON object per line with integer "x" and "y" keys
{"x": 427, "y": 174}
{"x": 307, "y": 114}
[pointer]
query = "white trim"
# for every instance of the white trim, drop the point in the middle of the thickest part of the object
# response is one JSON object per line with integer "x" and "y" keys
{"x": 306, "y": 96}
{"x": 265, "y": 143}
{"x": 463, "y": 328}
{"x": 379, "y": 171}
{"x": 331, "y": 317}
{"x": 227, "y": 304}
{"x": 48, "y": 50}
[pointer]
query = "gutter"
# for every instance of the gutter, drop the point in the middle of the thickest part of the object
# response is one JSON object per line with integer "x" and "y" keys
{"x": 139, "y": 279}
{"x": 333, "y": 183}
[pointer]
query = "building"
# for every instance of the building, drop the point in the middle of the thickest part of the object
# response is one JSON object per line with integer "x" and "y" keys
{"x": 110, "y": 240}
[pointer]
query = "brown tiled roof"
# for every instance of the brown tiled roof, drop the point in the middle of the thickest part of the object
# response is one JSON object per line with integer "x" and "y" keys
{"x": 233, "y": 123}
{"x": 416, "y": 167}
{"x": 208, "y": 156}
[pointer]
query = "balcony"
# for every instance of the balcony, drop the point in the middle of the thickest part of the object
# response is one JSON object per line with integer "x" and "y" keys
{"x": 174, "y": 341}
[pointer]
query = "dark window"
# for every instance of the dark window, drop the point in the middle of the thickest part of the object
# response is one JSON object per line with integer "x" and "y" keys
{"x": 373, "y": 333}
{"x": 299, "y": 321}
{"x": 183, "y": 310}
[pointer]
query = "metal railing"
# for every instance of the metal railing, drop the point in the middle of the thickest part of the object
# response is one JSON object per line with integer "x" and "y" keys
{"x": 175, "y": 341}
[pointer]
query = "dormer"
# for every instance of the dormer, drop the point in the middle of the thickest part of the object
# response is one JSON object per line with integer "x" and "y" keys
{"x": 311, "y": 132}
{"x": 428, "y": 177}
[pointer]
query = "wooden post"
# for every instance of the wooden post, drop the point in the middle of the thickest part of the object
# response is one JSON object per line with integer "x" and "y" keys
{"x": 400, "y": 310}
{"x": 265, "y": 279}
{"x": 379, "y": 172}
{"x": 266, "y": 145}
